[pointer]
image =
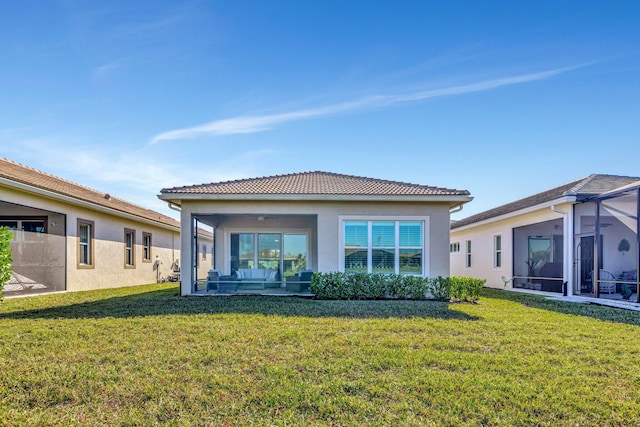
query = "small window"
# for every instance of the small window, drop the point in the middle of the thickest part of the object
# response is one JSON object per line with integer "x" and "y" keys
{"x": 129, "y": 248}
{"x": 85, "y": 243}
{"x": 497, "y": 251}
{"x": 468, "y": 255}
{"x": 454, "y": 247}
{"x": 204, "y": 251}
{"x": 146, "y": 247}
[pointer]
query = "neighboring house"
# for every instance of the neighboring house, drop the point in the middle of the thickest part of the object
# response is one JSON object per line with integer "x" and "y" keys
{"x": 317, "y": 221}
{"x": 547, "y": 242}
{"x": 69, "y": 237}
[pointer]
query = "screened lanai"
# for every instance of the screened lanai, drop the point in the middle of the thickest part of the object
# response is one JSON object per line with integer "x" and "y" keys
{"x": 608, "y": 269}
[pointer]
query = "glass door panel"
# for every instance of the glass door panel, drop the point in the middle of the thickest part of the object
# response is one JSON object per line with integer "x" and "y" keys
{"x": 242, "y": 251}
{"x": 269, "y": 250}
{"x": 295, "y": 254}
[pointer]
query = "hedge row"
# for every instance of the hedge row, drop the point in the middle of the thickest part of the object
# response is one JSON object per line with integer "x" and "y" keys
{"x": 350, "y": 286}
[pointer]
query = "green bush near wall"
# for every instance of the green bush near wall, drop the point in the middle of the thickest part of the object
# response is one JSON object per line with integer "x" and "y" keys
{"x": 465, "y": 288}
{"x": 5, "y": 256}
{"x": 365, "y": 286}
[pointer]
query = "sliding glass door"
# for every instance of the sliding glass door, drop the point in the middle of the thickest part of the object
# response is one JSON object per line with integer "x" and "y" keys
{"x": 269, "y": 250}
{"x": 286, "y": 252}
{"x": 294, "y": 254}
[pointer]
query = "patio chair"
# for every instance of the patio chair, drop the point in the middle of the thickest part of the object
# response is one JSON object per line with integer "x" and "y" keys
{"x": 607, "y": 283}
{"x": 299, "y": 283}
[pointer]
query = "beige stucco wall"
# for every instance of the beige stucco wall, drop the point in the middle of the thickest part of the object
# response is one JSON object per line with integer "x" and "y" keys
{"x": 482, "y": 251}
{"x": 109, "y": 269}
{"x": 325, "y": 244}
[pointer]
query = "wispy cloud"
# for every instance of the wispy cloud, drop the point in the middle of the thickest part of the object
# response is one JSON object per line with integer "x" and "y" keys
{"x": 106, "y": 70}
{"x": 261, "y": 123}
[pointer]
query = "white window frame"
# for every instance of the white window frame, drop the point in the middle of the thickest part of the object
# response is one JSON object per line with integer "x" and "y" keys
{"x": 89, "y": 262}
{"x": 454, "y": 247}
{"x": 129, "y": 251}
{"x": 370, "y": 219}
{"x": 467, "y": 254}
{"x": 147, "y": 242}
{"x": 497, "y": 253}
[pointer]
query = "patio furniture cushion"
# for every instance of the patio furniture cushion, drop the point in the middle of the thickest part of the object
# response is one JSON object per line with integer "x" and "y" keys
{"x": 629, "y": 276}
{"x": 257, "y": 274}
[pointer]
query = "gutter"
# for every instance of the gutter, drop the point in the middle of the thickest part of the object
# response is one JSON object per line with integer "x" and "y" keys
{"x": 313, "y": 197}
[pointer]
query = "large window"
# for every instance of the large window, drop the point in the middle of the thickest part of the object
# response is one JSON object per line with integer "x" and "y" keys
{"x": 85, "y": 243}
{"x": 383, "y": 246}
{"x": 129, "y": 248}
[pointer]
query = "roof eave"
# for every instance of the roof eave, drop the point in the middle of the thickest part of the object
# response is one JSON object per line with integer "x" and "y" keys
{"x": 177, "y": 198}
{"x": 83, "y": 203}
{"x": 539, "y": 206}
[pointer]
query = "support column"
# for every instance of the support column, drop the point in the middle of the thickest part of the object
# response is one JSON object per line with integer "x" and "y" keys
{"x": 186, "y": 252}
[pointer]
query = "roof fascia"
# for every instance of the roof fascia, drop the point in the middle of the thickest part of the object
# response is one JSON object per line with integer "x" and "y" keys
{"x": 540, "y": 206}
{"x": 177, "y": 197}
{"x": 77, "y": 202}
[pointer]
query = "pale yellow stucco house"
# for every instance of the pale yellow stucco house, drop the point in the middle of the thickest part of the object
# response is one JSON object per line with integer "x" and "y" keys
{"x": 68, "y": 237}
{"x": 578, "y": 239}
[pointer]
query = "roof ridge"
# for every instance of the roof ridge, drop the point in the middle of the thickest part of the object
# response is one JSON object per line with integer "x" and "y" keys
{"x": 50, "y": 175}
{"x": 589, "y": 178}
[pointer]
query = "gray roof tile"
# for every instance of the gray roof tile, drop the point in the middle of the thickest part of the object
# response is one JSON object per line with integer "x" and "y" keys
{"x": 316, "y": 183}
{"x": 583, "y": 188}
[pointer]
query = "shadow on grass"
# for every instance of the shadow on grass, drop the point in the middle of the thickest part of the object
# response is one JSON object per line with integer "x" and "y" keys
{"x": 166, "y": 302}
{"x": 594, "y": 311}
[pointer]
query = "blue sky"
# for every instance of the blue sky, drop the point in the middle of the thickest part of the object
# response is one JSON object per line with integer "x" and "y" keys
{"x": 501, "y": 98}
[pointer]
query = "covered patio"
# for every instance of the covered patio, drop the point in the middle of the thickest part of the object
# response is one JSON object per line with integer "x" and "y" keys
{"x": 259, "y": 254}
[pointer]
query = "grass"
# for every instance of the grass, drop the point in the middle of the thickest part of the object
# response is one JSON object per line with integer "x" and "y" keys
{"x": 144, "y": 356}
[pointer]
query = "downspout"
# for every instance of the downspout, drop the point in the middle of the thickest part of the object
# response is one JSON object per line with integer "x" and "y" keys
{"x": 456, "y": 208}
{"x": 567, "y": 258}
{"x": 174, "y": 207}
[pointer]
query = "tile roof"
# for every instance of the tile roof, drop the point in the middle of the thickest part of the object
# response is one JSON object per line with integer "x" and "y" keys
{"x": 18, "y": 173}
{"x": 315, "y": 183}
{"x": 582, "y": 188}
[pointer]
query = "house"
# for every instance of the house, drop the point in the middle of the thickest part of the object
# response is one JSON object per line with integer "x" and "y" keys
{"x": 547, "y": 241}
{"x": 320, "y": 221}
{"x": 68, "y": 237}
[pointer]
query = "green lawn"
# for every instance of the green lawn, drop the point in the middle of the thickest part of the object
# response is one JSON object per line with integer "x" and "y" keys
{"x": 144, "y": 356}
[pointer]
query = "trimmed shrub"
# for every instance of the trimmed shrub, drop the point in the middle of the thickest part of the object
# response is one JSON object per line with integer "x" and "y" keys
{"x": 465, "y": 288}
{"x": 363, "y": 286}
{"x": 439, "y": 288}
{"x": 5, "y": 256}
